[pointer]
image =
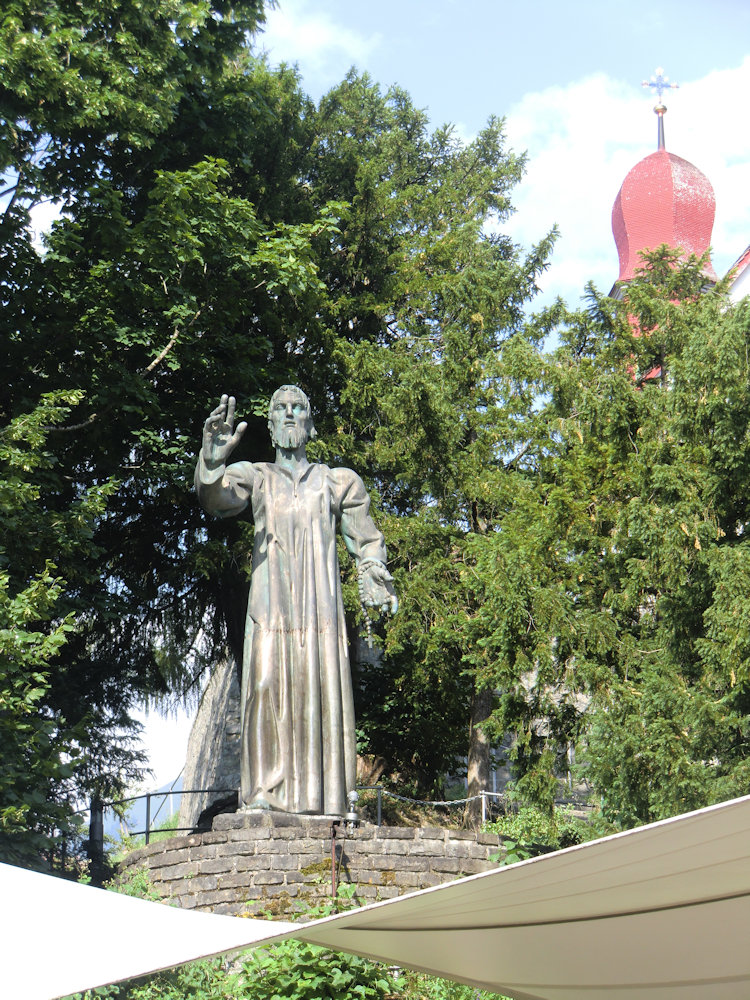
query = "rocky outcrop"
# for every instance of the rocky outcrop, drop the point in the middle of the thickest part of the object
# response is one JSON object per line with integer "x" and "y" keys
{"x": 213, "y": 753}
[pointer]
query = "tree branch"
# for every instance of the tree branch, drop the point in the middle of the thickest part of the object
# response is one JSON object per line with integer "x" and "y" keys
{"x": 170, "y": 344}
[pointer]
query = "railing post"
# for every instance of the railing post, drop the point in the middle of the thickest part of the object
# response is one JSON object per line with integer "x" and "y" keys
{"x": 484, "y": 806}
{"x": 96, "y": 841}
{"x": 148, "y": 816}
{"x": 380, "y": 806}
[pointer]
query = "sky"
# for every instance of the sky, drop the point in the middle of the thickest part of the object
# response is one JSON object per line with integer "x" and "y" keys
{"x": 566, "y": 77}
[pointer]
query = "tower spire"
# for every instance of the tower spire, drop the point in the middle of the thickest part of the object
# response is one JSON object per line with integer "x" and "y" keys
{"x": 659, "y": 82}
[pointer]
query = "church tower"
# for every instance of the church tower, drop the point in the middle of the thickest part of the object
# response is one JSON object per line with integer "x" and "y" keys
{"x": 663, "y": 199}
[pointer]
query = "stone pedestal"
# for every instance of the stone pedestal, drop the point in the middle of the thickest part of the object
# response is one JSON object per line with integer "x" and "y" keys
{"x": 280, "y": 864}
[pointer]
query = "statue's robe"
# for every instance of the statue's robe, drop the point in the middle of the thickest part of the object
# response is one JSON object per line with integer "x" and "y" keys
{"x": 298, "y": 742}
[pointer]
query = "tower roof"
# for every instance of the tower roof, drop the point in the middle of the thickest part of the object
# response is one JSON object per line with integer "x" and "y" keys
{"x": 663, "y": 199}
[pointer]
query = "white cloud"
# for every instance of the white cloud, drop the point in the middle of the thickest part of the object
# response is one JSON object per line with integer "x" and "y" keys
{"x": 295, "y": 32}
{"x": 583, "y": 138}
{"x": 715, "y": 138}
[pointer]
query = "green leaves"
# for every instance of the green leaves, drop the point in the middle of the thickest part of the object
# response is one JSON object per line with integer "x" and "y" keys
{"x": 648, "y": 418}
{"x": 595, "y": 517}
{"x": 436, "y": 396}
{"x": 80, "y": 82}
{"x": 561, "y": 526}
{"x": 40, "y": 753}
{"x": 298, "y": 970}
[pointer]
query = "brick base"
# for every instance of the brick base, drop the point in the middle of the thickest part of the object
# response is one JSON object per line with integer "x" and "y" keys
{"x": 279, "y": 864}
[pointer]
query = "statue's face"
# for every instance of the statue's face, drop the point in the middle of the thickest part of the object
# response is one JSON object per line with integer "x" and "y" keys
{"x": 289, "y": 420}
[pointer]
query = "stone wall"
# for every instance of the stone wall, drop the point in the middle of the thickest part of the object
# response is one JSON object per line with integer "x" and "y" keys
{"x": 278, "y": 863}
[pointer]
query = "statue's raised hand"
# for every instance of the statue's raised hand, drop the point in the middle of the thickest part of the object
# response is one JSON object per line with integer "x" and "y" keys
{"x": 220, "y": 437}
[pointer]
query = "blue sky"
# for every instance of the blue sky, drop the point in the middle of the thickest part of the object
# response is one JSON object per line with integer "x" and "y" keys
{"x": 467, "y": 59}
{"x": 566, "y": 76}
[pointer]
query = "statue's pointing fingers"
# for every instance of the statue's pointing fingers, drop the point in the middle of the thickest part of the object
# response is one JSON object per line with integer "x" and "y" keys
{"x": 219, "y": 435}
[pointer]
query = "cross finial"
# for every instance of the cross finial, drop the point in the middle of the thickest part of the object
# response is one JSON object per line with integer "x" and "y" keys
{"x": 659, "y": 82}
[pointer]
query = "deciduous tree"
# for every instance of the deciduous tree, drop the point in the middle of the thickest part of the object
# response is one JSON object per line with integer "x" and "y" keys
{"x": 40, "y": 751}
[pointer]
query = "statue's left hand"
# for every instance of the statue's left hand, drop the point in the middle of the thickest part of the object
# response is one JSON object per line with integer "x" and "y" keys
{"x": 376, "y": 588}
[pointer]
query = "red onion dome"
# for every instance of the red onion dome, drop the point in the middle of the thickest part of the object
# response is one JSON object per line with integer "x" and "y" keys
{"x": 664, "y": 199}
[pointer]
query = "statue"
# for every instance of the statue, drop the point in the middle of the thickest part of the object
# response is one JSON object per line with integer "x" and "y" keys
{"x": 297, "y": 711}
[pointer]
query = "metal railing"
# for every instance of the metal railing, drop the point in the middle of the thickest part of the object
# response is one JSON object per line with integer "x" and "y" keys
{"x": 484, "y": 796}
{"x": 150, "y": 796}
{"x": 95, "y": 845}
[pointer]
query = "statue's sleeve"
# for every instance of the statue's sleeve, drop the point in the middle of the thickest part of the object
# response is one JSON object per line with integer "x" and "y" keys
{"x": 225, "y": 491}
{"x": 360, "y": 534}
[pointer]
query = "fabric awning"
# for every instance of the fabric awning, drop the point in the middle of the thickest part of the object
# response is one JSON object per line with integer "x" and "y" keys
{"x": 59, "y": 937}
{"x": 661, "y": 912}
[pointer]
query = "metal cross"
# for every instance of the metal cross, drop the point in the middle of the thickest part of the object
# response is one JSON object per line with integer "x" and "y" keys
{"x": 660, "y": 83}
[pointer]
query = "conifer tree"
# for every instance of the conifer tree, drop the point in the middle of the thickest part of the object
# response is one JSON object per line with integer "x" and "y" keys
{"x": 433, "y": 294}
{"x": 619, "y": 587}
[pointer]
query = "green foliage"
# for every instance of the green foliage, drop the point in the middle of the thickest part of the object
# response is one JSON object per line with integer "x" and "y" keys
{"x": 531, "y": 831}
{"x": 430, "y": 395}
{"x": 295, "y": 969}
{"x": 292, "y": 970}
{"x": 417, "y": 986}
{"x": 567, "y": 530}
{"x": 612, "y": 574}
{"x": 673, "y": 705}
{"x": 34, "y": 769}
{"x": 135, "y": 882}
{"x": 161, "y": 831}
{"x": 40, "y": 753}
{"x": 165, "y": 272}
{"x": 205, "y": 980}
{"x": 238, "y": 238}
{"x": 83, "y": 84}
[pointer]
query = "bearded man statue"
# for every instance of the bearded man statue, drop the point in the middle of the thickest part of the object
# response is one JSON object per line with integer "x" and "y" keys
{"x": 297, "y": 712}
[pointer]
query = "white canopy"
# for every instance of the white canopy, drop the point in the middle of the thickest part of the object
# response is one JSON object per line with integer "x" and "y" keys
{"x": 661, "y": 912}
{"x": 59, "y": 937}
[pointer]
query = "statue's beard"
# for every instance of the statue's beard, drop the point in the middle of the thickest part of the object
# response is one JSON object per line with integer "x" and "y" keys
{"x": 290, "y": 438}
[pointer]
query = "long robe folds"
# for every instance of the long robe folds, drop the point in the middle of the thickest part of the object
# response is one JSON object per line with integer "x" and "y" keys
{"x": 298, "y": 742}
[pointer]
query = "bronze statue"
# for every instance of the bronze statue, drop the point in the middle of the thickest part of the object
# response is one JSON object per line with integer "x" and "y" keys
{"x": 298, "y": 744}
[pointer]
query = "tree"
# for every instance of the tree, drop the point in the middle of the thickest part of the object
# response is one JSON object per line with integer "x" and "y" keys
{"x": 82, "y": 86}
{"x": 41, "y": 752}
{"x": 152, "y": 261}
{"x": 216, "y": 249}
{"x": 84, "y": 89}
{"x": 433, "y": 295}
{"x": 683, "y": 691}
{"x": 629, "y": 567}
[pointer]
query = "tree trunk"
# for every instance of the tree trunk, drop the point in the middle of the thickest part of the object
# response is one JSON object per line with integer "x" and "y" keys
{"x": 478, "y": 767}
